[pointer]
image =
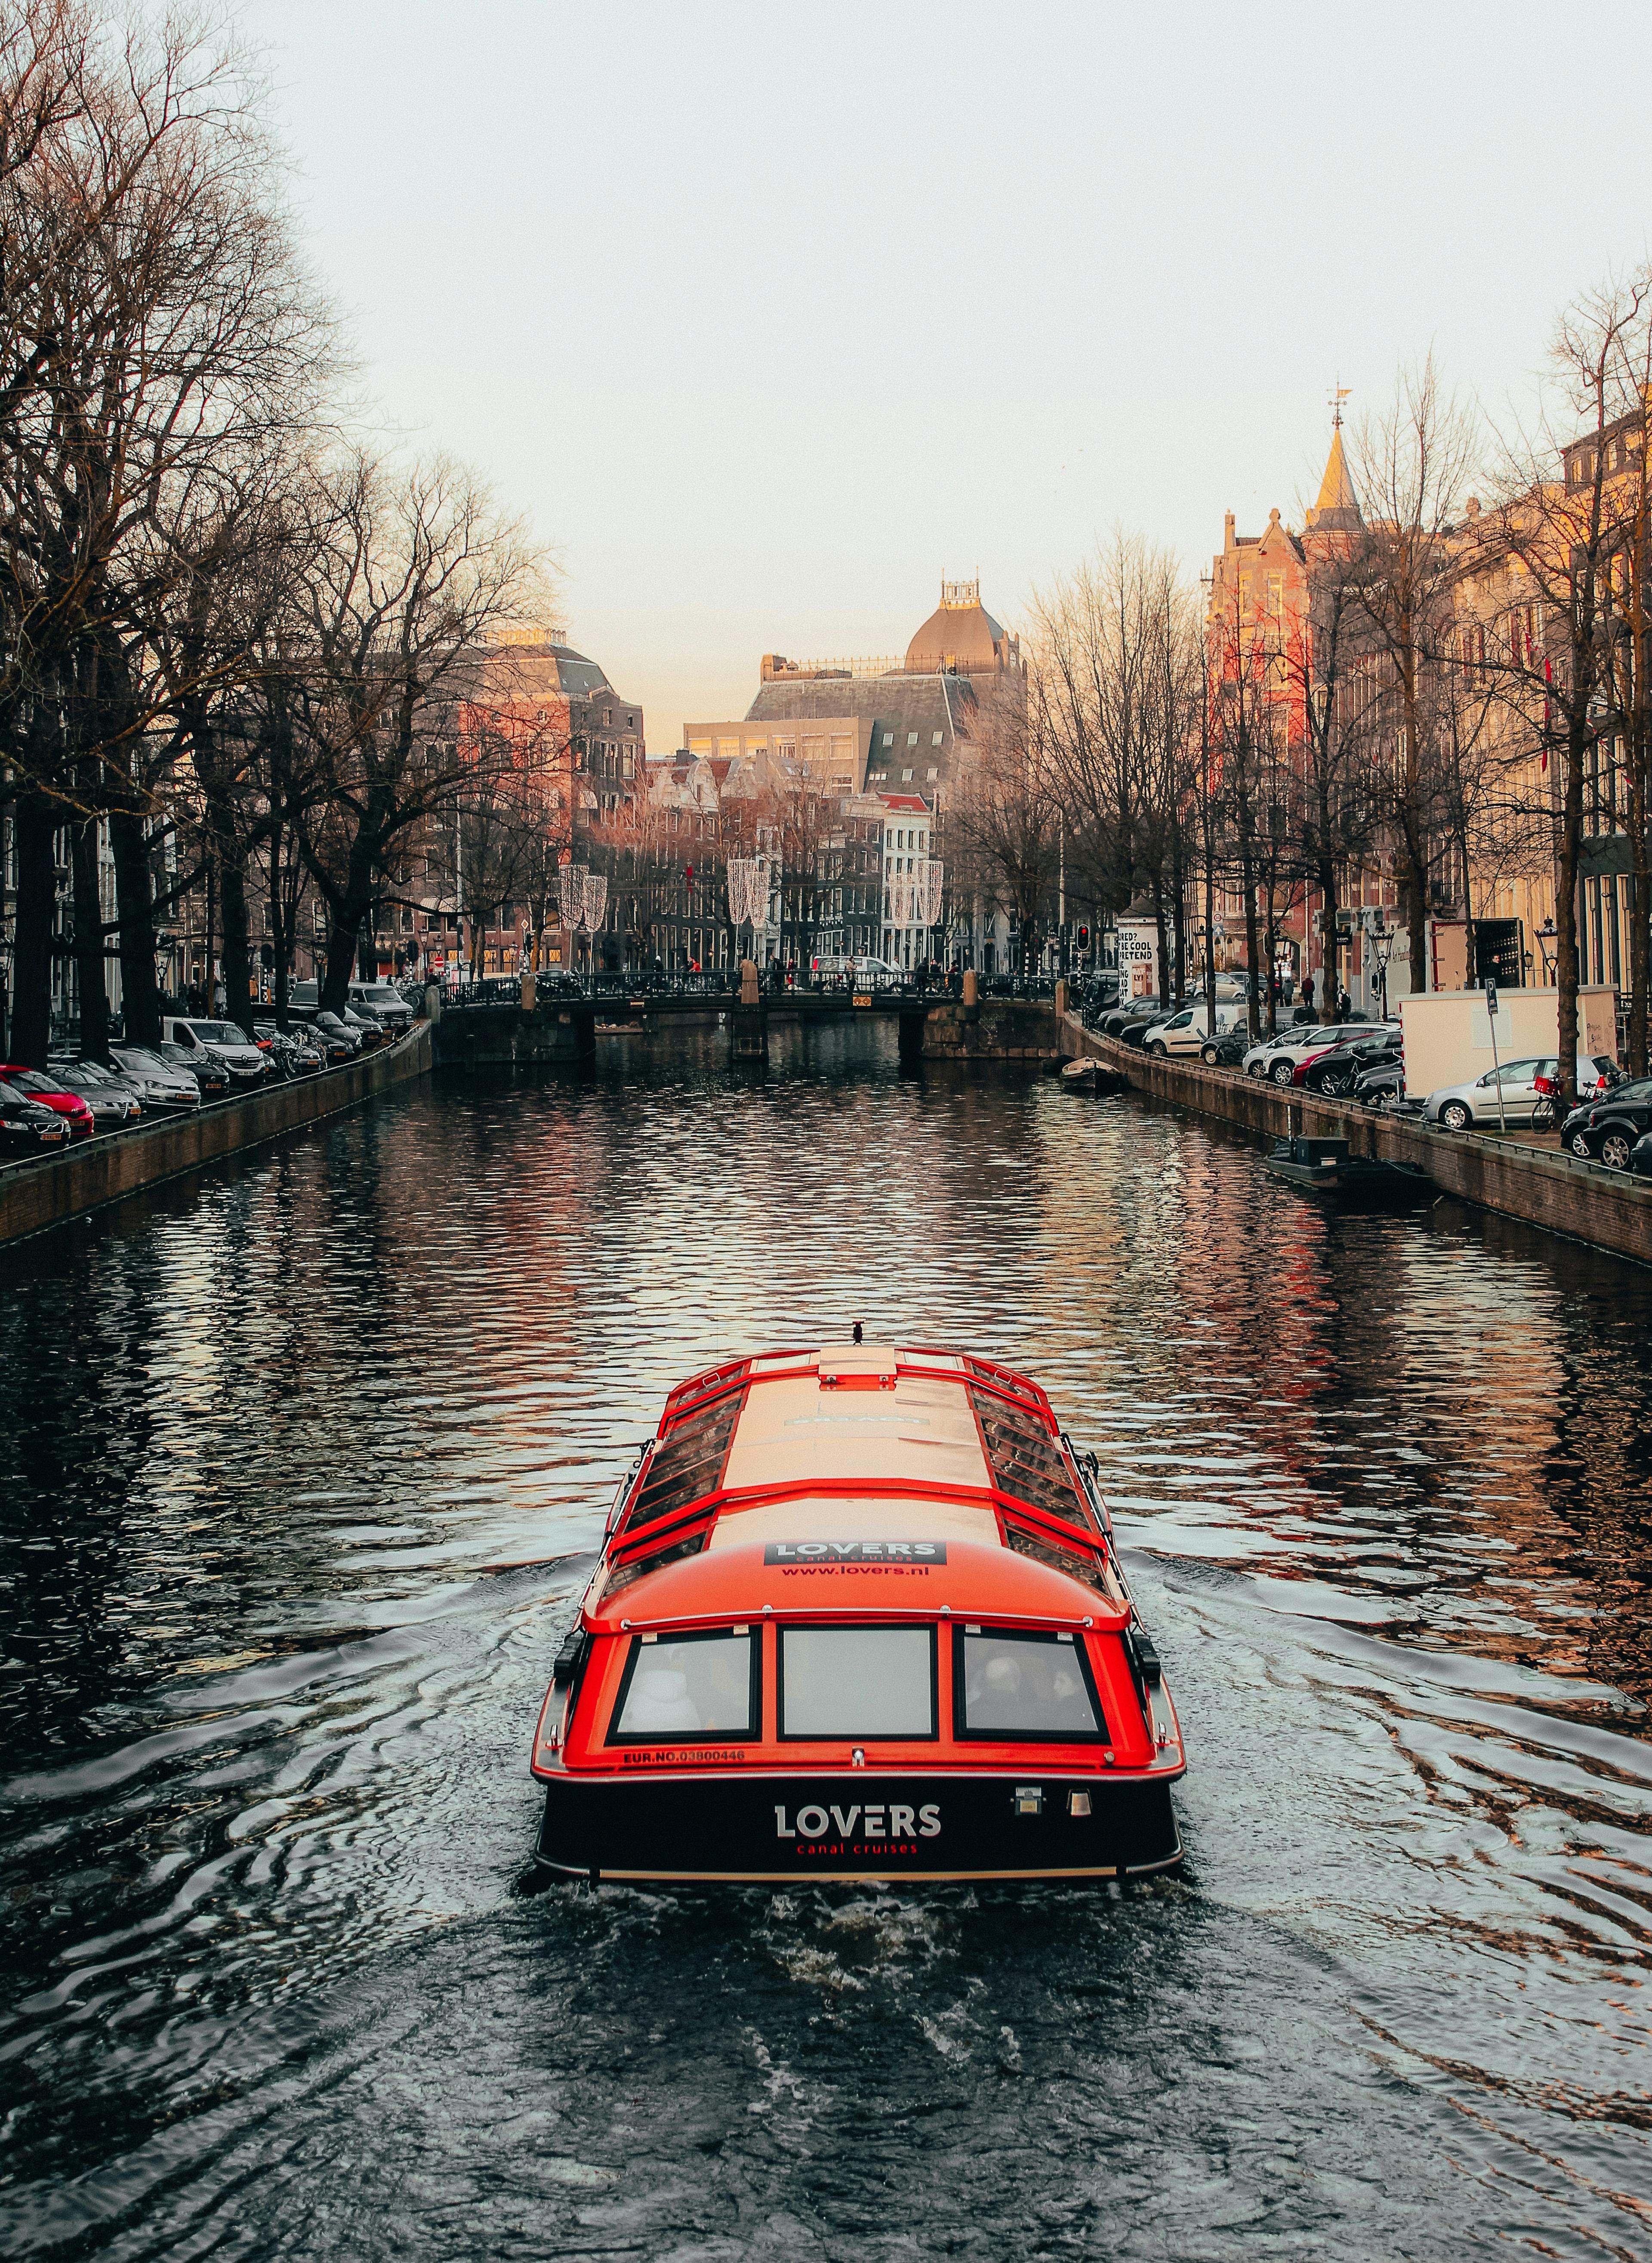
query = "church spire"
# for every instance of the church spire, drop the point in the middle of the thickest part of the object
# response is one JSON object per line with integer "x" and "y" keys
{"x": 1338, "y": 504}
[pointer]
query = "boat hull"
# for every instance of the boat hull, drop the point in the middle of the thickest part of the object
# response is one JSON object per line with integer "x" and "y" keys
{"x": 765, "y": 1828}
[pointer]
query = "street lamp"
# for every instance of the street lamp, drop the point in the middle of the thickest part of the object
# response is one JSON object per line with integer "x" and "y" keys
{"x": 1548, "y": 945}
{"x": 1383, "y": 945}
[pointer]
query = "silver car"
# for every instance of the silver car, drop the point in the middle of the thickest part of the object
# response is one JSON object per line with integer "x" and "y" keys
{"x": 1279, "y": 1058}
{"x": 1459, "y": 1107}
{"x": 157, "y": 1082}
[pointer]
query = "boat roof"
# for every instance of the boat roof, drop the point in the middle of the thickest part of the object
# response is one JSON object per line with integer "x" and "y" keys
{"x": 853, "y": 1454}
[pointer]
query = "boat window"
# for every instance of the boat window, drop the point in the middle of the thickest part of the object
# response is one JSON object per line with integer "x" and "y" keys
{"x": 1025, "y": 1460}
{"x": 670, "y": 1551}
{"x": 857, "y": 1681}
{"x": 1024, "y": 1685}
{"x": 699, "y": 1685}
{"x": 688, "y": 1463}
{"x": 1044, "y": 1549}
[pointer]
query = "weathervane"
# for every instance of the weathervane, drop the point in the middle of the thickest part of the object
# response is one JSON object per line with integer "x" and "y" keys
{"x": 1340, "y": 393}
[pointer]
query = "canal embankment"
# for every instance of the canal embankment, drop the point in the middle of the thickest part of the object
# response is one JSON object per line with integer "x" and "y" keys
{"x": 94, "y": 1173}
{"x": 1585, "y": 1202}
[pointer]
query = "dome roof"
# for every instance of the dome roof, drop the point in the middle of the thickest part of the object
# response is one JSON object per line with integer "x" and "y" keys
{"x": 960, "y": 638}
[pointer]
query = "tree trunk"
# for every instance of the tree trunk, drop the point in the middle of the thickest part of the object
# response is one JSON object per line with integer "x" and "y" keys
{"x": 1161, "y": 933}
{"x": 232, "y": 887}
{"x": 1471, "y": 955}
{"x": 1640, "y": 896}
{"x": 1325, "y": 876}
{"x": 135, "y": 907}
{"x": 91, "y": 989}
{"x": 1566, "y": 918}
{"x": 36, "y": 822}
{"x": 1210, "y": 932}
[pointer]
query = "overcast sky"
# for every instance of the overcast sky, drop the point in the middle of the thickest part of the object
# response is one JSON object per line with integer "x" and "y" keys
{"x": 769, "y": 316}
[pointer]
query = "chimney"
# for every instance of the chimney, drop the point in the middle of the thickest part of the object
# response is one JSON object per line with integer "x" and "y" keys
{"x": 1227, "y": 531}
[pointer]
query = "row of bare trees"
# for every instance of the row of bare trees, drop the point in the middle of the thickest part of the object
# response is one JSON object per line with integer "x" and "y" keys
{"x": 236, "y": 640}
{"x": 1462, "y": 701}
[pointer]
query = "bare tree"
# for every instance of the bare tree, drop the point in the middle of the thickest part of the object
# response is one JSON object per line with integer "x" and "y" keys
{"x": 1564, "y": 518}
{"x": 153, "y": 318}
{"x": 1411, "y": 464}
{"x": 1330, "y": 678}
{"x": 413, "y": 573}
{"x": 1005, "y": 812}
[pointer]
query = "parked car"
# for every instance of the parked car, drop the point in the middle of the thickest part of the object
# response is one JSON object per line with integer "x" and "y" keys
{"x": 224, "y": 1042}
{"x": 385, "y": 1002}
{"x": 1459, "y": 1107}
{"x": 1337, "y": 1071}
{"x": 338, "y": 1032}
{"x": 161, "y": 1085}
{"x": 1189, "y": 1030}
{"x": 1381, "y": 1088}
{"x": 209, "y": 1077}
{"x": 1279, "y": 1058}
{"x": 1133, "y": 1009}
{"x": 27, "y": 1126}
{"x": 372, "y": 1033}
{"x": 1607, "y": 1129}
{"x": 113, "y": 1102}
{"x": 1640, "y": 1158}
{"x": 1226, "y": 1051}
{"x": 328, "y": 1033}
{"x": 34, "y": 1085}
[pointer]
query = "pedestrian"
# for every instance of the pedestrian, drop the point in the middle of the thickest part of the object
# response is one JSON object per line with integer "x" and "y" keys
{"x": 1344, "y": 1006}
{"x": 1308, "y": 990}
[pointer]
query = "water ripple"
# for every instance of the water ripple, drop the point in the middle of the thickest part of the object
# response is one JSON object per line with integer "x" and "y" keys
{"x": 301, "y": 1473}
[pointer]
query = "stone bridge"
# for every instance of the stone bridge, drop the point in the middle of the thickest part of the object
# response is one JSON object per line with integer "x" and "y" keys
{"x": 534, "y": 1030}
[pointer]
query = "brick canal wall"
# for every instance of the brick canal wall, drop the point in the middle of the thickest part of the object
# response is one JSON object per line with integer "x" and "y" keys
{"x": 96, "y": 1172}
{"x": 1585, "y": 1202}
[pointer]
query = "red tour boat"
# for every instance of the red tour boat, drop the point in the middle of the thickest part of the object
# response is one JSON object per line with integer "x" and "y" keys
{"x": 858, "y": 1615}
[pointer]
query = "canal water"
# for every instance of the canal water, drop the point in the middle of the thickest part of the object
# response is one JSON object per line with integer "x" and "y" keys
{"x": 300, "y": 1471}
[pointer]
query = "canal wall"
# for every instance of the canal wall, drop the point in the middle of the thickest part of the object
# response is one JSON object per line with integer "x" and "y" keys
{"x": 94, "y": 1173}
{"x": 996, "y": 1030}
{"x": 509, "y": 1036}
{"x": 1585, "y": 1202}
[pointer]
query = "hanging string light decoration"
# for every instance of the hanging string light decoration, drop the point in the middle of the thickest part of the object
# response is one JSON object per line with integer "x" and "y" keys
{"x": 595, "y": 899}
{"x": 570, "y": 894}
{"x": 741, "y": 875}
{"x": 928, "y": 877}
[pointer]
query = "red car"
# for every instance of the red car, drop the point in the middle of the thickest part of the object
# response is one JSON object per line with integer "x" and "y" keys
{"x": 40, "y": 1088}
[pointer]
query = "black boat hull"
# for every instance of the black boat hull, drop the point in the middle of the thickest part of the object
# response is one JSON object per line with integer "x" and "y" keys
{"x": 765, "y": 1828}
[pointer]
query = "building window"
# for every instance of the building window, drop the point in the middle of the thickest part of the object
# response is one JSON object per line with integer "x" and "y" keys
{"x": 889, "y": 737}
{"x": 934, "y": 773}
{"x": 1275, "y": 594}
{"x": 905, "y": 777}
{"x": 912, "y": 738}
{"x": 934, "y": 742}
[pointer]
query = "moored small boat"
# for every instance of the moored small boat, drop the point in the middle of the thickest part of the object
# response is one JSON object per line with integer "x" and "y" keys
{"x": 858, "y": 1613}
{"x": 1080, "y": 1075}
{"x": 1324, "y": 1166}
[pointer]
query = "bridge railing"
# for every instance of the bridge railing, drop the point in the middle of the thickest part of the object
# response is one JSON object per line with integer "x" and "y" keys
{"x": 722, "y": 986}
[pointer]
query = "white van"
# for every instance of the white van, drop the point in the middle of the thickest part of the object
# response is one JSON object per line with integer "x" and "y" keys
{"x": 226, "y": 1042}
{"x": 1186, "y": 1031}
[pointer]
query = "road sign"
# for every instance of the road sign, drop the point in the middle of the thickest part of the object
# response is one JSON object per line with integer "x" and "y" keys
{"x": 1491, "y": 996}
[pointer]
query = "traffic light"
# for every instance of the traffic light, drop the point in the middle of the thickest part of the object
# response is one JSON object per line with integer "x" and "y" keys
{"x": 1084, "y": 938}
